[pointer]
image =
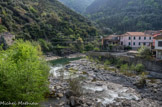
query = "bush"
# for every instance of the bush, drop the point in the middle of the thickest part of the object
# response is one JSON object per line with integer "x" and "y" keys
{"x": 107, "y": 62}
{"x": 24, "y": 74}
{"x": 119, "y": 62}
{"x": 124, "y": 68}
{"x": 144, "y": 52}
{"x": 142, "y": 82}
{"x": 89, "y": 47}
{"x": 3, "y": 29}
{"x": 46, "y": 46}
{"x": 127, "y": 48}
{"x": 80, "y": 45}
{"x": 139, "y": 68}
{"x": 96, "y": 49}
{"x": 76, "y": 86}
{"x": 132, "y": 67}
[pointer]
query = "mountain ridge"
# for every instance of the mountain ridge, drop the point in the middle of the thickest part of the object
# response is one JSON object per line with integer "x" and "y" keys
{"x": 48, "y": 20}
{"x": 126, "y": 15}
{"x": 77, "y": 5}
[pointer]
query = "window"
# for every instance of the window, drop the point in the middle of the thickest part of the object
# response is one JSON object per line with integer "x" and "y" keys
{"x": 129, "y": 38}
{"x": 139, "y": 43}
{"x": 121, "y": 43}
{"x": 144, "y": 43}
{"x": 134, "y": 38}
{"x": 134, "y": 43}
{"x": 139, "y": 38}
{"x": 160, "y": 43}
{"x": 150, "y": 38}
{"x": 129, "y": 43}
{"x": 144, "y": 38}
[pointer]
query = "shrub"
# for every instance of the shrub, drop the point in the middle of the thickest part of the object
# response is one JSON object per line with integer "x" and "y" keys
{"x": 142, "y": 81}
{"x": 79, "y": 45}
{"x": 97, "y": 60}
{"x": 127, "y": 48}
{"x": 46, "y": 46}
{"x": 75, "y": 86}
{"x": 144, "y": 52}
{"x": 89, "y": 47}
{"x": 96, "y": 49}
{"x": 3, "y": 29}
{"x": 139, "y": 68}
{"x": 124, "y": 68}
{"x": 24, "y": 74}
{"x": 132, "y": 67}
{"x": 119, "y": 62}
{"x": 107, "y": 62}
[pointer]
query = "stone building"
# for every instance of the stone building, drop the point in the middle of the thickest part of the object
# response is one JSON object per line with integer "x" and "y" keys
{"x": 6, "y": 39}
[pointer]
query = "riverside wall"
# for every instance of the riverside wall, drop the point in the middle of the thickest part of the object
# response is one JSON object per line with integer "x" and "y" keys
{"x": 150, "y": 65}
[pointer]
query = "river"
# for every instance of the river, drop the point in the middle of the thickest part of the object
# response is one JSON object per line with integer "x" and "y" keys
{"x": 94, "y": 88}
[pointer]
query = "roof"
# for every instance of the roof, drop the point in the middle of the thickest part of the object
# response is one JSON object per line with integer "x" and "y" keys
{"x": 136, "y": 34}
{"x": 151, "y": 32}
{"x": 111, "y": 37}
{"x": 158, "y": 37}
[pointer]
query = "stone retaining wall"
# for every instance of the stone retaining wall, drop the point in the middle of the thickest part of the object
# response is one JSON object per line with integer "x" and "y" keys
{"x": 155, "y": 66}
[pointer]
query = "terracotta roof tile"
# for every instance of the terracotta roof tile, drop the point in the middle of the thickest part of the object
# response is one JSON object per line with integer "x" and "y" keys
{"x": 111, "y": 36}
{"x": 158, "y": 37}
{"x": 136, "y": 34}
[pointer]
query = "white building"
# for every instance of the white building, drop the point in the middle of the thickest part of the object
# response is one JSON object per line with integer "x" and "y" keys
{"x": 136, "y": 39}
{"x": 158, "y": 46}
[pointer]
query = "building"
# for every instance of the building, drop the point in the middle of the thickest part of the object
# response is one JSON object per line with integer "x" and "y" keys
{"x": 156, "y": 34}
{"x": 136, "y": 39}
{"x": 6, "y": 39}
{"x": 112, "y": 43}
{"x": 110, "y": 40}
{"x": 158, "y": 46}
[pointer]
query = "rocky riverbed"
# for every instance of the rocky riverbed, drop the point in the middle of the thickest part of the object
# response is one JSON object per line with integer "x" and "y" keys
{"x": 82, "y": 84}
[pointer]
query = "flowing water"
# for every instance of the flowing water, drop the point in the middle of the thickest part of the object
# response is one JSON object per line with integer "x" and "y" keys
{"x": 106, "y": 92}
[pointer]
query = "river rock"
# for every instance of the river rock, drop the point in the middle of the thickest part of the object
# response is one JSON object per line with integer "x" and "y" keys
{"x": 60, "y": 95}
{"x": 58, "y": 87}
{"x": 69, "y": 94}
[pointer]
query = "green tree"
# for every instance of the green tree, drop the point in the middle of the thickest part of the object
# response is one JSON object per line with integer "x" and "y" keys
{"x": 144, "y": 52}
{"x": 23, "y": 73}
{"x": 80, "y": 45}
{"x": 3, "y": 29}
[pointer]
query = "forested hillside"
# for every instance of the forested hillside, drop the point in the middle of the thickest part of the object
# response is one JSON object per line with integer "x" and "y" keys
{"x": 47, "y": 21}
{"x": 77, "y": 5}
{"x": 127, "y": 15}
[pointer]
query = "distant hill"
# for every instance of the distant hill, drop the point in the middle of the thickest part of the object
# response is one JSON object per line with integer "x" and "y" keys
{"x": 77, "y": 5}
{"x": 44, "y": 20}
{"x": 126, "y": 15}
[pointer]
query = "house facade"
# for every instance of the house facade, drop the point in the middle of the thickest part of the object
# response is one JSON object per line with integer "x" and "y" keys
{"x": 136, "y": 39}
{"x": 158, "y": 47}
{"x": 112, "y": 43}
{"x": 110, "y": 40}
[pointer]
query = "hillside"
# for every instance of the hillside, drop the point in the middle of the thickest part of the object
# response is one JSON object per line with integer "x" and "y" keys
{"x": 47, "y": 21}
{"x": 127, "y": 15}
{"x": 77, "y": 5}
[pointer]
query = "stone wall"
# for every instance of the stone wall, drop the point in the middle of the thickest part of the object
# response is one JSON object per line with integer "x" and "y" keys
{"x": 155, "y": 66}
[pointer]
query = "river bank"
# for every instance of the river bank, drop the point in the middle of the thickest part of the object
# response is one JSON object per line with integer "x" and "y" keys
{"x": 50, "y": 58}
{"x": 82, "y": 83}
